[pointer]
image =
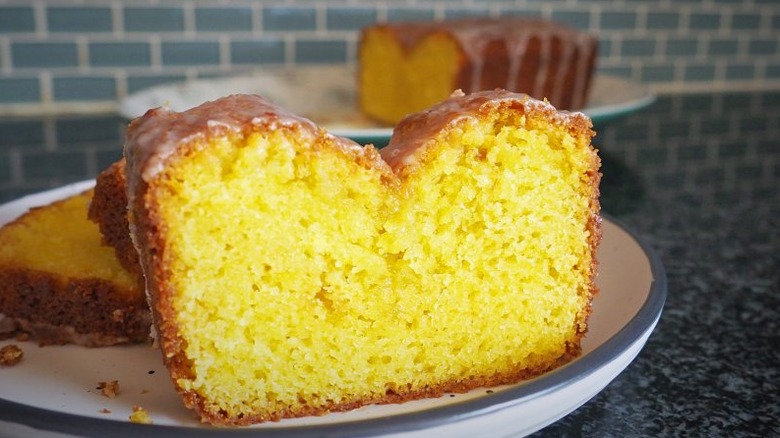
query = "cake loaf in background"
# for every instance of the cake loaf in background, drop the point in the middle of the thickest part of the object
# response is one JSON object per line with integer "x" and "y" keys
{"x": 405, "y": 67}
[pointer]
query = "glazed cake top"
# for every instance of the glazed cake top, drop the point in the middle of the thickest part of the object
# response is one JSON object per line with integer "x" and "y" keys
{"x": 414, "y": 131}
{"x": 156, "y": 135}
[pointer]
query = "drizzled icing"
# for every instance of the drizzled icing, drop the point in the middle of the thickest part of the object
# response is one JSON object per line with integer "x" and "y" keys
{"x": 559, "y": 48}
{"x": 414, "y": 132}
{"x": 156, "y": 135}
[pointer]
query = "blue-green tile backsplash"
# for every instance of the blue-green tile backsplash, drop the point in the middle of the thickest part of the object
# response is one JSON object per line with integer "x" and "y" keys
{"x": 56, "y": 52}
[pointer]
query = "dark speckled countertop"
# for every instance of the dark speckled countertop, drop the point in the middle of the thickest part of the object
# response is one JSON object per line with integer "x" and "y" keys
{"x": 696, "y": 175}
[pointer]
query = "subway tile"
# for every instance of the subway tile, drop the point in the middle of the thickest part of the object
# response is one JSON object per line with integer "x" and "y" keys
{"x": 629, "y": 131}
{"x": 652, "y": 156}
{"x": 105, "y": 157}
{"x": 211, "y": 19}
{"x": 773, "y": 70}
{"x": 190, "y": 52}
{"x": 119, "y": 54}
{"x": 741, "y": 71}
{"x": 17, "y": 19}
{"x": 526, "y": 11}
{"x": 732, "y": 149}
{"x": 722, "y": 47}
{"x": 140, "y": 82}
{"x": 704, "y": 21}
{"x": 662, "y": 20}
{"x": 697, "y": 102}
{"x": 400, "y": 13}
{"x": 79, "y": 19}
{"x": 80, "y": 88}
{"x": 19, "y": 90}
{"x": 153, "y": 19}
{"x": 320, "y": 51}
{"x": 692, "y": 152}
{"x": 349, "y": 18}
{"x": 576, "y": 19}
{"x": 771, "y": 99}
{"x": 285, "y": 18}
{"x": 44, "y": 54}
{"x": 5, "y": 169}
{"x": 737, "y": 102}
{"x": 257, "y": 51}
{"x": 16, "y": 133}
{"x": 714, "y": 125}
{"x": 617, "y": 20}
{"x": 54, "y": 166}
{"x": 454, "y": 13}
{"x": 682, "y": 46}
{"x": 753, "y": 123}
{"x": 674, "y": 128}
{"x": 766, "y": 147}
{"x": 88, "y": 129}
{"x": 638, "y": 47}
{"x": 763, "y": 46}
{"x": 621, "y": 71}
{"x": 657, "y": 73}
{"x": 708, "y": 176}
{"x": 605, "y": 45}
{"x": 745, "y": 21}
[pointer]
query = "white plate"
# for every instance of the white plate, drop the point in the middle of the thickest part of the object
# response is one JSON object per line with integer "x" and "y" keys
{"x": 53, "y": 390}
{"x": 326, "y": 94}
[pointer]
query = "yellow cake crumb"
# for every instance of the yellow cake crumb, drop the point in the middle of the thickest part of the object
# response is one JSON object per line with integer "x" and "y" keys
{"x": 140, "y": 416}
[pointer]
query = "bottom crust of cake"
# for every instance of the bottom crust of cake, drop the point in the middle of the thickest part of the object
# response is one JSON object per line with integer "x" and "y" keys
{"x": 53, "y": 311}
{"x": 49, "y": 334}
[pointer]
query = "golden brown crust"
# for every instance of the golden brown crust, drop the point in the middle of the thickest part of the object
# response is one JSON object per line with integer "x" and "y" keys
{"x": 108, "y": 210}
{"x": 57, "y": 310}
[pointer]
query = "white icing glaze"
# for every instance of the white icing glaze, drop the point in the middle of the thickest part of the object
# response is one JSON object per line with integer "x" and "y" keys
{"x": 474, "y": 36}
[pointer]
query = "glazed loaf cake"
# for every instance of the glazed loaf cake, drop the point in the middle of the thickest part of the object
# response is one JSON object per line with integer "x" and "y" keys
{"x": 405, "y": 67}
{"x": 292, "y": 272}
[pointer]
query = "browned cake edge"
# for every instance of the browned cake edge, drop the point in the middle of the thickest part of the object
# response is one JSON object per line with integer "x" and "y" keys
{"x": 55, "y": 310}
{"x": 108, "y": 209}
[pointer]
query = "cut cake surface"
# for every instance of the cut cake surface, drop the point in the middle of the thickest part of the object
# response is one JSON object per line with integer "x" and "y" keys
{"x": 292, "y": 272}
{"x": 59, "y": 285}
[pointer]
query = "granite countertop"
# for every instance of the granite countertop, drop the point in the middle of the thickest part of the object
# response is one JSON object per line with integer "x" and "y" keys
{"x": 697, "y": 176}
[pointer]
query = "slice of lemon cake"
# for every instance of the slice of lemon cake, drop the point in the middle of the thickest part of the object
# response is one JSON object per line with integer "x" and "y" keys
{"x": 292, "y": 272}
{"x": 59, "y": 284}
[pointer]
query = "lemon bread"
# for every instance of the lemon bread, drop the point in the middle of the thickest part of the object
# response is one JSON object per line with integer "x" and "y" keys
{"x": 60, "y": 285}
{"x": 292, "y": 272}
{"x": 406, "y": 67}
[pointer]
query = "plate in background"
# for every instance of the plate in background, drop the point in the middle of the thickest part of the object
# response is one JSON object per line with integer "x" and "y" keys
{"x": 326, "y": 94}
{"x": 53, "y": 390}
